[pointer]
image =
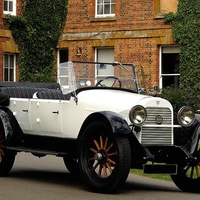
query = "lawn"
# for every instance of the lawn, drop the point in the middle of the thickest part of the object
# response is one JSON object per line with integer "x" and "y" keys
{"x": 139, "y": 172}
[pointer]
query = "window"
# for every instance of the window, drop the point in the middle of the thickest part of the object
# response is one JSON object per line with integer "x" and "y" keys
{"x": 105, "y": 8}
{"x": 104, "y": 55}
{"x": 9, "y": 7}
{"x": 63, "y": 55}
{"x": 9, "y": 67}
{"x": 169, "y": 66}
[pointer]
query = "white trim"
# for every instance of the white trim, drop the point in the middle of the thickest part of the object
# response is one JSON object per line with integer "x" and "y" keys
{"x": 103, "y": 15}
{"x": 14, "y": 12}
{"x": 163, "y": 50}
{"x": 160, "y": 66}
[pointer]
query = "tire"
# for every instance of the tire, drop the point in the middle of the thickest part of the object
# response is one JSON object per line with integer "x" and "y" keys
{"x": 7, "y": 157}
{"x": 188, "y": 175}
{"x": 104, "y": 158}
{"x": 71, "y": 165}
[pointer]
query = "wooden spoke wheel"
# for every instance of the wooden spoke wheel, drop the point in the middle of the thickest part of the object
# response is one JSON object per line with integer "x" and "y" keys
{"x": 104, "y": 158}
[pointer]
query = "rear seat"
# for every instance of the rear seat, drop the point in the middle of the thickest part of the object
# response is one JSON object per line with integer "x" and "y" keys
{"x": 52, "y": 94}
{"x": 28, "y": 92}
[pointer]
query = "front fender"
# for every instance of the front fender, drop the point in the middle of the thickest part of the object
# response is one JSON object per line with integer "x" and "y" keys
{"x": 116, "y": 121}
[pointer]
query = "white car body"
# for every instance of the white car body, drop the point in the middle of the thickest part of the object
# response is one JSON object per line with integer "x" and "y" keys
{"x": 101, "y": 131}
{"x": 66, "y": 124}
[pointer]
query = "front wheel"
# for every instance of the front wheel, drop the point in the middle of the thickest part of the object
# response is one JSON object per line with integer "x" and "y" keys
{"x": 188, "y": 176}
{"x": 104, "y": 158}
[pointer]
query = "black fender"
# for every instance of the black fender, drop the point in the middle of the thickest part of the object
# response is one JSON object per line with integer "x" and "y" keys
{"x": 11, "y": 127}
{"x": 117, "y": 122}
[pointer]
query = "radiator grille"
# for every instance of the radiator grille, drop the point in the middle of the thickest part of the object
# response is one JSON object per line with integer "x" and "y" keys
{"x": 153, "y": 112}
{"x": 158, "y": 135}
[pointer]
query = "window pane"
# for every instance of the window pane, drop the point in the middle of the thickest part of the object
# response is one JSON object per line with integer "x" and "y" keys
{"x": 170, "y": 62}
{"x": 9, "y": 67}
{"x": 11, "y": 61}
{"x": 100, "y": 9}
{"x": 11, "y": 75}
{"x": 107, "y": 9}
{"x": 5, "y": 78}
{"x": 99, "y": 1}
{"x": 5, "y": 61}
{"x": 170, "y": 81}
{"x": 113, "y": 9}
{"x": 105, "y": 55}
{"x": 6, "y": 5}
{"x": 10, "y": 6}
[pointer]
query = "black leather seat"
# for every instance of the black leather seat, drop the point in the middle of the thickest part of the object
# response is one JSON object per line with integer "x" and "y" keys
{"x": 52, "y": 94}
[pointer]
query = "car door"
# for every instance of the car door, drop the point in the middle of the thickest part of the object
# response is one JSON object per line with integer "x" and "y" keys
{"x": 46, "y": 117}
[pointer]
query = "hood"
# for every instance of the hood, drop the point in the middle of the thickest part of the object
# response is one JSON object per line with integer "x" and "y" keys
{"x": 116, "y": 100}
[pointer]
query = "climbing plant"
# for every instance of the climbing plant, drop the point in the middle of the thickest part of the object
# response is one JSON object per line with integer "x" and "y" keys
{"x": 186, "y": 32}
{"x": 37, "y": 31}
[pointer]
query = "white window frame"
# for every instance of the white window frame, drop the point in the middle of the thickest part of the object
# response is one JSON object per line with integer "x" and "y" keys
{"x": 103, "y": 4}
{"x": 174, "y": 49}
{"x": 9, "y": 7}
{"x": 11, "y": 65}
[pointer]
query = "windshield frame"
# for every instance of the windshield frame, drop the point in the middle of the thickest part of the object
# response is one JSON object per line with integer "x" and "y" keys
{"x": 131, "y": 71}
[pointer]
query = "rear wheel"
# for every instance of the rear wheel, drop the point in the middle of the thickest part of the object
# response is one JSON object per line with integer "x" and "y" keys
{"x": 104, "y": 158}
{"x": 6, "y": 157}
{"x": 188, "y": 175}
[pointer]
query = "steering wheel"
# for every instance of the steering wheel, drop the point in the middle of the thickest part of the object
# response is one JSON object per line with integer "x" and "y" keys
{"x": 109, "y": 81}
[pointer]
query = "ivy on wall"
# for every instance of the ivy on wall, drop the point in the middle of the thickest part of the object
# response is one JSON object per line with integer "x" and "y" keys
{"x": 37, "y": 31}
{"x": 186, "y": 32}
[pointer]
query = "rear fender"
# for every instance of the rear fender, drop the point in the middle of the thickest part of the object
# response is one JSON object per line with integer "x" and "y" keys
{"x": 10, "y": 125}
{"x": 116, "y": 121}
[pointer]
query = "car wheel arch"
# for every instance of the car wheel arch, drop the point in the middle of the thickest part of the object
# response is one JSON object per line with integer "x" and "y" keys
{"x": 115, "y": 121}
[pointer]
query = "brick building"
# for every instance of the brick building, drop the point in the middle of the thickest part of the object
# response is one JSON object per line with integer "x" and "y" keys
{"x": 8, "y": 48}
{"x": 109, "y": 30}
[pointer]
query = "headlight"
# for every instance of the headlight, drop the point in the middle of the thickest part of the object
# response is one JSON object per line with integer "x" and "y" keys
{"x": 137, "y": 115}
{"x": 186, "y": 116}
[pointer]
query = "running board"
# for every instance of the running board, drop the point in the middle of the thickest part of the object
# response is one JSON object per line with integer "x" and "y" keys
{"x": 160, "y": 169}
{"x": 36, "y": 151}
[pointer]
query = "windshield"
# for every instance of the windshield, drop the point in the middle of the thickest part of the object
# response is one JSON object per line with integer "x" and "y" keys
{"x": 77, "y": 74}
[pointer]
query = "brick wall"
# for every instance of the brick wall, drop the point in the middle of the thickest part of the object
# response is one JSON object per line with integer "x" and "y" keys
{"x": 7, "y": 44}
{"x": 135, "y": 33}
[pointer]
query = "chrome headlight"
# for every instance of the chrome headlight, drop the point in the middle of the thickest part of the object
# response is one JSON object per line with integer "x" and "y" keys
{"x": 186, "y": 116}
{"x": 137, "y": 115}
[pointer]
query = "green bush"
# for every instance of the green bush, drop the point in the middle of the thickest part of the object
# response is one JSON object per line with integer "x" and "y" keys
{"x": 181, "y": 96}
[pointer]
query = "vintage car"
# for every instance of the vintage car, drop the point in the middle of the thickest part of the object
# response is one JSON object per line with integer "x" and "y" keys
{"x": 102, "y": 127}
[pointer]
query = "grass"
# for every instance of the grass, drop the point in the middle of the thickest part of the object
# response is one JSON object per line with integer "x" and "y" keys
{"x": 139, "y": 172}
